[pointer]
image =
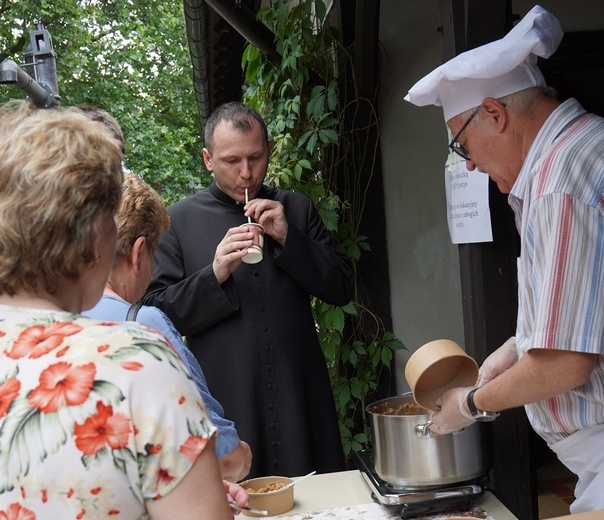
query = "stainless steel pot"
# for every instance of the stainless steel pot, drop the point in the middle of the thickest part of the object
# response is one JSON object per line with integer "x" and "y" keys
{"x": 408, "y": 455}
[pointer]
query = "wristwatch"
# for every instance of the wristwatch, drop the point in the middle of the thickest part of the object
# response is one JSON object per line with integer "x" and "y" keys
{"x": 479, "y": 415}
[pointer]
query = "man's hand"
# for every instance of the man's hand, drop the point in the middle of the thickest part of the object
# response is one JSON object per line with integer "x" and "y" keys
{"x": 498, "y": 362}
{"x": 270, "y": 214}
{"x": 230, "y": 251}
{"x": 453, "y": 414}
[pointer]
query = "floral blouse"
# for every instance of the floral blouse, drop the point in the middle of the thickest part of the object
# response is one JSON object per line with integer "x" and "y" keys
{"x": 95, "y": 417}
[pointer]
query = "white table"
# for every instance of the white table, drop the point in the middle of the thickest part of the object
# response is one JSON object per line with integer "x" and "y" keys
{"x": 348, "y": 488}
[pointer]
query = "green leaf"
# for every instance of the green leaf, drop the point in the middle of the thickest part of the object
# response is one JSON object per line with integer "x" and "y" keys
{"x": 297, "y": 172}
{"x": 328, "y": 136}
{"x": 386, "y": 356}
{"x": 320, "y": 9}
{"x": 350, "y": 308}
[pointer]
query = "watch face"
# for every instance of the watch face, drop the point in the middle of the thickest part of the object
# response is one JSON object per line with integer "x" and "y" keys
{"x": 485, "y": 416}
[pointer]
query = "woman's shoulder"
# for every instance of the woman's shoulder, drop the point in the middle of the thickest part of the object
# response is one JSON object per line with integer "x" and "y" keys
{"x": 67, "y": 335}
{"x": 107, "y": 400}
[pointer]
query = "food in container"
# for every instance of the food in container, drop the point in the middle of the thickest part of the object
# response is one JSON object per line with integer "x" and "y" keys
{"x": 269, "y": 494}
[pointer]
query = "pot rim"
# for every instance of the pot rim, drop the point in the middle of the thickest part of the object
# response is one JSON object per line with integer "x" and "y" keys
{"x": 372, "y": 408}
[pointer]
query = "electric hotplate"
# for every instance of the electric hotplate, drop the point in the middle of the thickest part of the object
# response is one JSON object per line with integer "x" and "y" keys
{"x": 418, "y": 501}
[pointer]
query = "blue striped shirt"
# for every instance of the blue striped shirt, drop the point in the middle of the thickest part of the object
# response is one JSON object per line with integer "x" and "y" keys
{"x": 558, "y": 201}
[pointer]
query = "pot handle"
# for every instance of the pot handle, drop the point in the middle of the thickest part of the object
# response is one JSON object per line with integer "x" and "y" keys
{"x": 422, "y": 431}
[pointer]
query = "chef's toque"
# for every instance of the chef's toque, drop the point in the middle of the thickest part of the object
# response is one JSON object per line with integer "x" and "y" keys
{"x": 494, "y": 70}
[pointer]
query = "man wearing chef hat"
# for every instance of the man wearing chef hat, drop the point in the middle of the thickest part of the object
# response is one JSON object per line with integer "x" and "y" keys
{"x": 549, "y": 157}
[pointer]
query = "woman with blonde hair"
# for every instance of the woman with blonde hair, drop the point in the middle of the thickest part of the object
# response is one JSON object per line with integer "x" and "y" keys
{"x": 85, "y": 431}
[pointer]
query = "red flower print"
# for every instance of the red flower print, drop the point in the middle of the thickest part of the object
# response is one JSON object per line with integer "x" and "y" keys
{"x": 62, "y": 352}
{"x": 8, "y": 391}
{"x": 62, "y": 384}
{"x": 39, "y": 340}
{"x": 101, "y": 429}
{"x": 131, "y": 365}
{"x": 44, "y": 496}
{"x": 102, "y": 348}
{"x": 113, "y": 512}
{"x": 192, "y": 447}
{"x": 17, "y": 512}
{"x": 81, "y": 514}
{"x": 164, "y": 476}
{"x": 96, "y": 490}
{"x": 154, "y": 449}
{"x": 181, "y": 400}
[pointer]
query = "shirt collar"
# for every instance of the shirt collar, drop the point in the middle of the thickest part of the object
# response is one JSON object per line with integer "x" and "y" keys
{"x": 558, "y": 121}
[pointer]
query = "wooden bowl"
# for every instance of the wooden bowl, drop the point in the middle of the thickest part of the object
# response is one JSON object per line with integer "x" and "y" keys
{"x": 437, "y": 367}
{"x": 274, "y": 502}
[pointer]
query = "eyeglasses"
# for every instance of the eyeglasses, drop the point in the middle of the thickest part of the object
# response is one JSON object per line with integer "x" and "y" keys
{"x": 457, "y": 147}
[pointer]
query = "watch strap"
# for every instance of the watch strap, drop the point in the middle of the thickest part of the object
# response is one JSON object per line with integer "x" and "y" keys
{"x": 470, "y": 402}
{"x": 479, "y": 415}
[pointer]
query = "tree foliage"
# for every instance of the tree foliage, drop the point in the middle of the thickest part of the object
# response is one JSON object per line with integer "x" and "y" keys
{"x": 131, "y": 58}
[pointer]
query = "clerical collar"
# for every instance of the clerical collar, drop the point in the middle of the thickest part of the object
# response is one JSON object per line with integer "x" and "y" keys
{"x": 223, "y": 197}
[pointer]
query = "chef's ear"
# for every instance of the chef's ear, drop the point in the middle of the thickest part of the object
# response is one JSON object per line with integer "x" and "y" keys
{"x": 494, "y": 110}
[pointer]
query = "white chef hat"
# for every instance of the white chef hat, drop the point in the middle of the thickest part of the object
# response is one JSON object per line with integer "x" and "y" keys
{"x": 493, "y": 70}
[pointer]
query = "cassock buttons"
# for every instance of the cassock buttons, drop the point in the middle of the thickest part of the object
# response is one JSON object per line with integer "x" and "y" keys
{"x": 264, "y": 328}
{"x": 267, "y": 347}
{"x": 255, "y": 273}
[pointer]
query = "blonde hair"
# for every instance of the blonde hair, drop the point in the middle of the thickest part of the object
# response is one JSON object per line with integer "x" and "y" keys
{"x": 142, "y": 213}
{"x": 59, "y": 173}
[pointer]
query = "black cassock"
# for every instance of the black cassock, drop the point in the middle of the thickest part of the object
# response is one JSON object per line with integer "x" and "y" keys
{"x": 254, "y": 335}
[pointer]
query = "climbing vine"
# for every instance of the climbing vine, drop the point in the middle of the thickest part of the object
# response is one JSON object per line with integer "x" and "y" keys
{"x": 301, "y": 101}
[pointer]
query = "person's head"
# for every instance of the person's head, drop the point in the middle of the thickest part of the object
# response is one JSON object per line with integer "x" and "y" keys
{"x": 104, "y": 117}
{"x": 487, "y": 92}
{"x": 236, "y": 149}
{"x": 142, "y": 213}
{"x": 141, "y": 219}
{"x": 495, "y": 136}
{"x": 60, "y": 186}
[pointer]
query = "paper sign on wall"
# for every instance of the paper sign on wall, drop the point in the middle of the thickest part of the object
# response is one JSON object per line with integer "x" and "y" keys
{"x": 468, "y": 210}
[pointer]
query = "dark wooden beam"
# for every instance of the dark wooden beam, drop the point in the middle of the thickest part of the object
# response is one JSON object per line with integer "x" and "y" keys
{"x": 247, "y": 24}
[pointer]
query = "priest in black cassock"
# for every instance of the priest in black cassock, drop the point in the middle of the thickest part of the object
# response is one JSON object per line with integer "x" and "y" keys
{"x": 250, "y": 325}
